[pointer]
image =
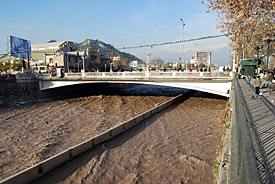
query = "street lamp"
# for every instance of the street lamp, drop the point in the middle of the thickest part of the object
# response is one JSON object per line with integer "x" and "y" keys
{"x": 234, "y": 61}
{"x": 183, "y": 43}
{"x": 147, "y": 55}
{"x": 268, "y": 40}
{"x": 111, "y": 69}
{"x": 258, "y": 48}
{"x": 84, "y": 55}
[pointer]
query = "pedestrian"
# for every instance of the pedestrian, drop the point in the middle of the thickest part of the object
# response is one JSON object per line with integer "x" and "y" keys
{"x": 269, "y": 79}
{"x": 248, "y": 79}
{"x": 257, "y": 85}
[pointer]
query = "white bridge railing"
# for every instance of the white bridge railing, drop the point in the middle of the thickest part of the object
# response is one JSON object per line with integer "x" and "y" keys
{"x": 142, "y": 75}
{"x": 211, "y": 82}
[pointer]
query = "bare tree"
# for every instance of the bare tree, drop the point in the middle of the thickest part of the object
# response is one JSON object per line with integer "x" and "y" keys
{"x": 245, "y": 22}
{"x": 156, "y": 61}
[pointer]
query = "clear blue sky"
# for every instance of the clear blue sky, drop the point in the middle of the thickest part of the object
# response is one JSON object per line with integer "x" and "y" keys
{"x": 117, "y": 22}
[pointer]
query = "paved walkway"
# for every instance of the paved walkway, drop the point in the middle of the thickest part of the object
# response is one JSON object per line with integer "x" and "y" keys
{"x": 261, "y": 112}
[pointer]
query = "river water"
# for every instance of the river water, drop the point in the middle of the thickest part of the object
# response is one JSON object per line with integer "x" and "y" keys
{"x": 177, "y": 145}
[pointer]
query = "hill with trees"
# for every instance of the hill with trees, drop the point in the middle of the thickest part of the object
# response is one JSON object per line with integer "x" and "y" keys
{"x": 105, "y": 49}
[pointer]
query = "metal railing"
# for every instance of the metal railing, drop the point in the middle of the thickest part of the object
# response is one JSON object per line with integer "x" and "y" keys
{"x": 250, "y": 149}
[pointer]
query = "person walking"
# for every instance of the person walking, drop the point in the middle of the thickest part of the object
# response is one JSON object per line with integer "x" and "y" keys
{"x": 268, "y": 81}
{"x": 257, "y": 84}
{"x": 248, "y": 79}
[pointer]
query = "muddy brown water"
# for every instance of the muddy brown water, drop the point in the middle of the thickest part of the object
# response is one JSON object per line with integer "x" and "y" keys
{"x": 178, "y": 145}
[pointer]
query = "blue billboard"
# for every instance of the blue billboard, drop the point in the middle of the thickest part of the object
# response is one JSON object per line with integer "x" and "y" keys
{"x": 20, "y": 47}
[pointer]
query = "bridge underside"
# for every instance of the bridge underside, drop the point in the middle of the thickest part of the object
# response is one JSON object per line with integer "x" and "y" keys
{"x": 218, "y": 87}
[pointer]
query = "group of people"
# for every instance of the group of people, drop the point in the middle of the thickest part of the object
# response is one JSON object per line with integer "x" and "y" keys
{"x": 263, "y": 79}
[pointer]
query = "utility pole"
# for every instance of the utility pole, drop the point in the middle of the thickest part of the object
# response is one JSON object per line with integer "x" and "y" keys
{"x": 183, "y": 43}
{"x": 147, "y": 55}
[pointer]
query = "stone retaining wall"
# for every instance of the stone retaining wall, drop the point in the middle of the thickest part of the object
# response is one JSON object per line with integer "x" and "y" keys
{"x": 18, "y": 91}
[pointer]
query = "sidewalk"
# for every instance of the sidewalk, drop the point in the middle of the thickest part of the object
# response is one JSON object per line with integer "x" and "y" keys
{"x": 261, "y": 112}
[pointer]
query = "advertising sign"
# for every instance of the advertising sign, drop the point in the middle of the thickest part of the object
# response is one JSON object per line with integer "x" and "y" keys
{"x": 134, "y": 64}
{"x": 20, "y": 47}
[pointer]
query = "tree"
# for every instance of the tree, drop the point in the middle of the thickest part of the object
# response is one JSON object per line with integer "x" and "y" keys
{"x": 1, "y": 66}
{"x": 245, "y": 22}
{"x": 126, "y": 62}
{"x": 16, "y": 65}
{"x": 201, "y": 65}
{"x": 156, "y": 61}
{"x": 5, "y": 66}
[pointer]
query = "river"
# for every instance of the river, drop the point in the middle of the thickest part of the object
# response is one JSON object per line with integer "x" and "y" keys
{"x": 177, "y": 145}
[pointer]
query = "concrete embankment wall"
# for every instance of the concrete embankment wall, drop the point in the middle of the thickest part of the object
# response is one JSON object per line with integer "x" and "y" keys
{"x": 242, "y": 168}
{"x": 25, "y": 89}
{"x": 40, "y": 169}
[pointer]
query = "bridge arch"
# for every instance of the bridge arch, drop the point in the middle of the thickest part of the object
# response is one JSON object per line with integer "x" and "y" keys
{"x": 220, "y": 87}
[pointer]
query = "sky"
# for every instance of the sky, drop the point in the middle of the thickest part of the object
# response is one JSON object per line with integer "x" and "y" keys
{"x": 120, "y": 23}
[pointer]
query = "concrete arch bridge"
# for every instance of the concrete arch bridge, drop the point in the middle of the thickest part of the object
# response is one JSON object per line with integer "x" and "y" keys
{"x": 218, "y": 83}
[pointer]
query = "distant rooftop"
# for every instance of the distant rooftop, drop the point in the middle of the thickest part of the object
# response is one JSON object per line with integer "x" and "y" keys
{"x": 47, "y": 46}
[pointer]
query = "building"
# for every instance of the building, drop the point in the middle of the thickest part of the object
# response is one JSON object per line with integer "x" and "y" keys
{"x": 203, "y": 57}
{"x": 51, "y": 54}
{"x": 92, "y": 60}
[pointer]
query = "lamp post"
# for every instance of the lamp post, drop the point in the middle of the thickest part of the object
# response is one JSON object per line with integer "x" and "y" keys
{"x": 84, "y": 55}
{"x": 268, "y": 40}
{"x": 111, "y": 69}
{"x": 147, "y": 70}
{"x": 237, "y": 59}
{"x": 234, "y": 61}
{"x": 183, "y": 43}
{"x": 258, "y": 48}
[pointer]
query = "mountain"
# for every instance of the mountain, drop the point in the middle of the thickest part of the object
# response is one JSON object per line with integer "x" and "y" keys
{"x": 105, "y": 49}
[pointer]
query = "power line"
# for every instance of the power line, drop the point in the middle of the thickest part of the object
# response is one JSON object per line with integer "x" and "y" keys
{"x": 169, "y": 43}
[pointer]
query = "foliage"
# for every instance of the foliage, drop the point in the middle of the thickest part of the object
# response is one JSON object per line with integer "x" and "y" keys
{"x": 126, "y": 62}
{"x": 122, "y": 63}
{"x": 226, "y": 127}
{"x": 5, "y": 66}
{"x": 16, "y": 65}
{"x": 157, "y": 61}
{"x": 201, "y": 65}
{"x": 215, "y": 169}
{"x": 1, "y": 66}
{"x": 246, "y": 22}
